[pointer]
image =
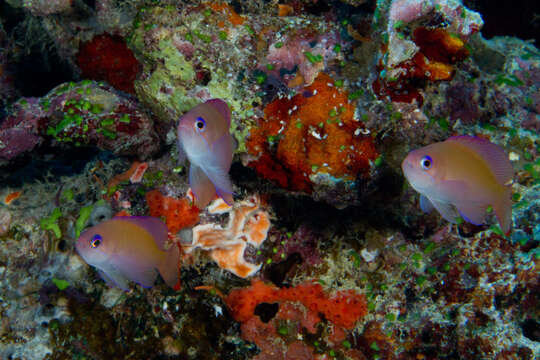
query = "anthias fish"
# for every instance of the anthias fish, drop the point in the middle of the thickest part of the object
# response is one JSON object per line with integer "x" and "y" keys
{"x": 203, "y": 136}
{"x": 130, "y": 248}
{"x": 462, "y": 176}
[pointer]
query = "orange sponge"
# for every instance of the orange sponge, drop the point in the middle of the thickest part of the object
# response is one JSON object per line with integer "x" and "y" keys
{"x": 178, "y": 213}
{"x": 343, "y": 308}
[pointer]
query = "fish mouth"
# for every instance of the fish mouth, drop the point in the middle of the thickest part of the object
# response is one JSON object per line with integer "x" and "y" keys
{"x": 406, "y": 167}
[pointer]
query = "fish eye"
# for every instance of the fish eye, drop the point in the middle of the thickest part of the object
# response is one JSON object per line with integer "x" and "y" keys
{"x": 96, "y": 240}
{"x": 426, "y": 162}
{"x": 200, "y": 124}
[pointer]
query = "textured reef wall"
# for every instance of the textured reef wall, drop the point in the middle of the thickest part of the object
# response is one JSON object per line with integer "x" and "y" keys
{"x": 325, "y": 252}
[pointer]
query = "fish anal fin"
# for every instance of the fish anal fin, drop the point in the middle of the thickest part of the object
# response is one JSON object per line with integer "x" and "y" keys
{"x": 203, "y": 189}
{"x": 226, "y": 196}
{"x": 447, "y": 211}
{"x": 168, "y": 268}
{"x": 114, "y": 278}
{"x": 220, "y": 179}
{"x": 474, "y": 213}
{"x": 146, "y": 277}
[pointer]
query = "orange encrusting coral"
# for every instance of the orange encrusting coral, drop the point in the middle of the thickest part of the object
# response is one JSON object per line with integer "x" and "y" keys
{"x": 178, "y": 213}
{"x": 314, "y": 134}
{"x": 285, "y": 10}
{"x": 11, "y": 197}
{"x": 344, "y": 308}
{"x": 438, "y": 52}
{"x": 228, "y": 10}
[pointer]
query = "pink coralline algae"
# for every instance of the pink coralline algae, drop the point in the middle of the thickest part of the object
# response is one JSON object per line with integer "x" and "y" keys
{"x": 462, "y": 20}
{"x": 78, "y": 114}
{"x": 303, "y": 242}
{"x": 19, "y": 130}
{"x": 306, "y": 51}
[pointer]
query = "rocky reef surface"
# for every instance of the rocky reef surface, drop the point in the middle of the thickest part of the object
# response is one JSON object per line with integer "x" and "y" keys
{"x": 325, "y": 253}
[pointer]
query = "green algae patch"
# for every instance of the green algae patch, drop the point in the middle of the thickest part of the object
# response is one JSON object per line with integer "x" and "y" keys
{"x": 60, "y": 284}
{"x": 84, "y": 216}
{"x": 175, "y": 63}
{"x": 51, "y": 223}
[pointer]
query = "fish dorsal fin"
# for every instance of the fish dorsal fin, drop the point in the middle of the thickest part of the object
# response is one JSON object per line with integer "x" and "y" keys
{"x": 494, "y": 156}
{"x": 222, "y": 107}
{"x": 153, "y": 225}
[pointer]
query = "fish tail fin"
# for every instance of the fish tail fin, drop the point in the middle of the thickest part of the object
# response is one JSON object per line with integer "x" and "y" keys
{"x": 169, "y": 267}
{"x": 503, "y": 210}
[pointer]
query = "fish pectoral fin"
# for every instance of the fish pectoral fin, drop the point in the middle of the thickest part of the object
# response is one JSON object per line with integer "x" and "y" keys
{"x": 447, "y": 210}
{"x": 425, "y": 204}
{"x": 474, "y": 213}
{"x": 146, "y": 277}
{"x": 114, "y": 278}
{"x": 203, "y": 189}
{"x": 182, "y": 156}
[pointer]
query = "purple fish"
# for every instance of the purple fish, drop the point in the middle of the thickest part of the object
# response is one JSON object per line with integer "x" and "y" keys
{"x": 462, "y": 176}
{"x": 130, "y": 248}
{"x": 203, "y": 136}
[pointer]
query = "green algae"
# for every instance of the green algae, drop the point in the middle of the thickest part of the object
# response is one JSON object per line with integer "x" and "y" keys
{"x": 51, "y": 223}
{"x": 177, "y": 66}
{"x": 60, "y": 284}
{"x": 82, "y": 220}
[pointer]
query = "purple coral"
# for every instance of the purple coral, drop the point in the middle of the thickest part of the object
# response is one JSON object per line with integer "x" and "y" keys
{"x": 84, "y": 114}
{"x": 19, "y": 130}
{"x": 304, "y": 242}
